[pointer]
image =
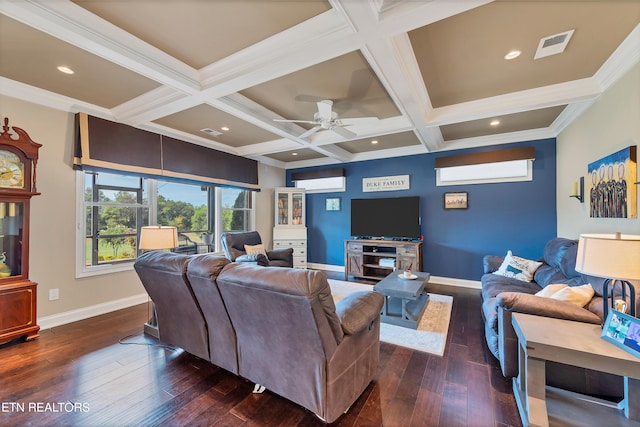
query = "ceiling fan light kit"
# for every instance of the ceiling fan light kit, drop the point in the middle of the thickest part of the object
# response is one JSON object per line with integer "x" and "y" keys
{"x": 327, "y": 119}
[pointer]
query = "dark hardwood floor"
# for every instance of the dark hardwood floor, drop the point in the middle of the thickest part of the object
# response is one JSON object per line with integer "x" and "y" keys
{"x": 79, "y": 374}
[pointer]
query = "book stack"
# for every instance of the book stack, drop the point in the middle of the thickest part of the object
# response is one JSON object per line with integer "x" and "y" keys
{"x": 387, "y": 262}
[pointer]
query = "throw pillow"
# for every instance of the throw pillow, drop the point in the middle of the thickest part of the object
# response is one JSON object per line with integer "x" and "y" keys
{"x": 255, "y": 249}
{"x": 517, "y": 268}
{"x": 578, "y": 295}
{"x": 549, "y": 290}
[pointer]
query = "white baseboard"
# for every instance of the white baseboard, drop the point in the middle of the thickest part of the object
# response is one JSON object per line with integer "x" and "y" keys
{"x": 463, "y": 283}
{"x": 54, "y": 320}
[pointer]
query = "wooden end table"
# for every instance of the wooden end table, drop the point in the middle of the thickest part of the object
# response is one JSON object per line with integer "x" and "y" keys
{"x": 542, "y": 339}
{"x": 404, "y": 299}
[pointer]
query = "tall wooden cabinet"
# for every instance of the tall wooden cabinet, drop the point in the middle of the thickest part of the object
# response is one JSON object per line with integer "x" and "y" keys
{"x": 18, "y": 160}
{"x": 289, "y": 230}
{"x": 376, "y": 259}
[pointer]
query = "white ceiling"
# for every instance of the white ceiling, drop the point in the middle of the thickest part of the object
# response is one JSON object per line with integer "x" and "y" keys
{"x": 432, "y": 72}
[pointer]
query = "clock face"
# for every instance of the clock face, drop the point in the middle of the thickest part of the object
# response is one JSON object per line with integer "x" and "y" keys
{"x": 11, "y": 170}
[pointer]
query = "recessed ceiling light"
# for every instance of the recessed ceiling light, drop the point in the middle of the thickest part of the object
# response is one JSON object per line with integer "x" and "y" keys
{"x": 494, "y": 122}
{"x": 512, "y": 55}
{"x": 294, "y": 154}
{"x": 65, "y": 69}
{"x": 225, "y": 128}
{"x": 375, "y": 141}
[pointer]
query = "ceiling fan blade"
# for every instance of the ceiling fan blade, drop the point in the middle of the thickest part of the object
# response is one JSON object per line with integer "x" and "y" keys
{"x": 324, "y": 109}
{"x": 345, "y": 133}
{"x": 310, "y": 131}
{"x": 294, "y": 121}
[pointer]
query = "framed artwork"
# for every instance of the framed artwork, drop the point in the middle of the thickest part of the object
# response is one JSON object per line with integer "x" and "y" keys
{"x": 622, "y": 330}
{"x": 612, "y": 193}
{"x": 456, "y": 200}
{"x": 332, "y": 204}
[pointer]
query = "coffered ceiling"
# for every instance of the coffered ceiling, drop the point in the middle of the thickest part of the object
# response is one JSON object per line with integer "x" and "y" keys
{"x": 429, "y": 75}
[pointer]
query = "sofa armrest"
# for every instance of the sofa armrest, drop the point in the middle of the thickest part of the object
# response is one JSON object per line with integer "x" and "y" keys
{"x": 548, "y": 307}
{"x": 491, "y": 263}
{"x": 259, "y": 259}
{"x": 358, "y": 310}
{"x": 285, "y": 254}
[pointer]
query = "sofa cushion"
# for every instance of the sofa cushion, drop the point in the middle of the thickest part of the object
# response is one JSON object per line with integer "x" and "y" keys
{"x": 256, "y": 250}
{"x": 578, "y": 295}
{"x": 518, "y": 268}
{"x": 562, "y": 253}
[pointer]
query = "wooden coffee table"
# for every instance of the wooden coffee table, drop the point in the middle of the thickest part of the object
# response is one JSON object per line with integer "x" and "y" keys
{"x": 404, "y": 299}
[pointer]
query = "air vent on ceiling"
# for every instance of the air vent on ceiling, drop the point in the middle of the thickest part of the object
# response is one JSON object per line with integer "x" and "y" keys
{"x": 553, "y": 44}
{"x": 211, "y": 132}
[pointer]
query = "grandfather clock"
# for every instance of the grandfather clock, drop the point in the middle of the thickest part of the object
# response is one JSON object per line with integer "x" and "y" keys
{"x": 18, "y": 160}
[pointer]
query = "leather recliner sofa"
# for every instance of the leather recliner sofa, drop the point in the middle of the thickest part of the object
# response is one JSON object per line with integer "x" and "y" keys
{"x": 502, "y": 296}
{"x": 277, "y": 327}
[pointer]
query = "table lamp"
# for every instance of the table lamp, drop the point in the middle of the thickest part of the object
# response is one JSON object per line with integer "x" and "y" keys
{"x": 615, "y": 257}
{"x": 156, "y": 237}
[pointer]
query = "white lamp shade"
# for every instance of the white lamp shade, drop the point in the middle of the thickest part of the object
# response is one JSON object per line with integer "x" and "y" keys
{"x": 612, "y": 256}
{"x": 158, "y": 237}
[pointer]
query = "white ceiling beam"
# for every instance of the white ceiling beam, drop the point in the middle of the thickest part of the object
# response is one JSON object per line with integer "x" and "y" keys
{"x": 516, "y": 102}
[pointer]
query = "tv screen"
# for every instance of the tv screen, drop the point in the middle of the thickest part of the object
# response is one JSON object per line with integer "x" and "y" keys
{"x": 393, "y": 217}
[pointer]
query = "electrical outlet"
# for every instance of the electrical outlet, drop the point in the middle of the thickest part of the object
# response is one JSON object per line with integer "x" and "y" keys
{"x": 54, "y": 294}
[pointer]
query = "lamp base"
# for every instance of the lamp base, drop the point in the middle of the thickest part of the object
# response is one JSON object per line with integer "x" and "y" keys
{"x": 151, "y": 327}
{"x": 608, "y": 297}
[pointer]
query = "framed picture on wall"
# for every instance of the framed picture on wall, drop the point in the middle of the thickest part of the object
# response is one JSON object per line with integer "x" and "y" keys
{"x": 332, "y": 204}
{"x": 458, "y": 200}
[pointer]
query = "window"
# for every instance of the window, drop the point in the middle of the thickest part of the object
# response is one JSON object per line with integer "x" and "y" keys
{"x": 323, "y": 185}
{"x": 112, "y": 207}
{"x": 236, "y": 210}
{"x": 485, "y": 173}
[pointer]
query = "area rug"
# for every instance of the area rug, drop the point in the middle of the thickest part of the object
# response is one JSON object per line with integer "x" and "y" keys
{"x": 431, "y": 335}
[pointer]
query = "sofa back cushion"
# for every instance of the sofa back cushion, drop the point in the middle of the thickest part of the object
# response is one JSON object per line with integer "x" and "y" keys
{"x": 180, "y": 321}
{"x": 202, "y": 273}
{"x": 562, "y": 253}
{"x": 286, "y": 326}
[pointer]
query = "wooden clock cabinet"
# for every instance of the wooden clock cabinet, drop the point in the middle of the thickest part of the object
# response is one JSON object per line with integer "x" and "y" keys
{"x": 18, "y": 297}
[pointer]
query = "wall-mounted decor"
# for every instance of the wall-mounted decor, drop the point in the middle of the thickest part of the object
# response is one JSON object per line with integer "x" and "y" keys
{"x": 611, "y": 190}
{"x": 332, "y": 204}
{"x": 456, "y": 200}
{"x": 386, "y": 183}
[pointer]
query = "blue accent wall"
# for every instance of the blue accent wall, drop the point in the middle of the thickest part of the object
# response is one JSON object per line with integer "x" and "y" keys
{"x": 516, "y": 216}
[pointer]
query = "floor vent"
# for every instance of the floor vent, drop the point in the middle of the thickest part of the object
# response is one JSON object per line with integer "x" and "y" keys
{"x": 211, "y": 132}
{"x": 553, "y": 45}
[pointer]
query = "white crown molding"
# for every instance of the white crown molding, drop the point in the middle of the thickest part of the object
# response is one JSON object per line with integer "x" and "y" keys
{"x": 621, "y": 61}
{"x": 569, "y": 114}
{"x": 75, "y": 25}
{"x": 49, "y": 99}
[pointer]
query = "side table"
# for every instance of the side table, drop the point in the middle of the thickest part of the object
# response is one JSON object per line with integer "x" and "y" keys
{"x": 542, "y": 339}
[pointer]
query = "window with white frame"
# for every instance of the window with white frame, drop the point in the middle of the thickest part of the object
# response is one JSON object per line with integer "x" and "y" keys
{"x": 113, "y": 207}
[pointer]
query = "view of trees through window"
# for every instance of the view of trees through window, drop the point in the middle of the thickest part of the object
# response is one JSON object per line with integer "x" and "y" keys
{"x": 116, "y": 206}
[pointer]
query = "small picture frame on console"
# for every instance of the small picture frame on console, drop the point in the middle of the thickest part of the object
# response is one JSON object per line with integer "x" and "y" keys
{"x": 623, "y": 331}
{"x": 458, "y": 200}
{"x": 332, "y": 204}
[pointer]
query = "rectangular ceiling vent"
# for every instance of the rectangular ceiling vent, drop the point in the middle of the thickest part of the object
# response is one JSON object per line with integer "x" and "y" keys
{"x": 553, "y": 45}
{"x": 211, "y": 132}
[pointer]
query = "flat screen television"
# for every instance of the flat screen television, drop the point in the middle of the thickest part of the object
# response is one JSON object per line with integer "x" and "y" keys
{"x": 392, "y": 217}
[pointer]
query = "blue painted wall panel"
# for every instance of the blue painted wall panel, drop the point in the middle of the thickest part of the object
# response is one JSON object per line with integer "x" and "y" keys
{"x": 516, "y": 216}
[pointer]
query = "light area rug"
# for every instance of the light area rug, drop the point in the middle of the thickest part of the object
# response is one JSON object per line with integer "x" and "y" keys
{"x": 431, "y": 335}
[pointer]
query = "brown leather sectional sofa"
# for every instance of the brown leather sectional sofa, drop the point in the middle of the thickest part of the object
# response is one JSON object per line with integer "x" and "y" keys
{"x": 277, "y": 327}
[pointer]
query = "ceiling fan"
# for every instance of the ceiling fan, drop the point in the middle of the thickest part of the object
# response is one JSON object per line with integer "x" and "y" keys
{"x": 327, "y": 119}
